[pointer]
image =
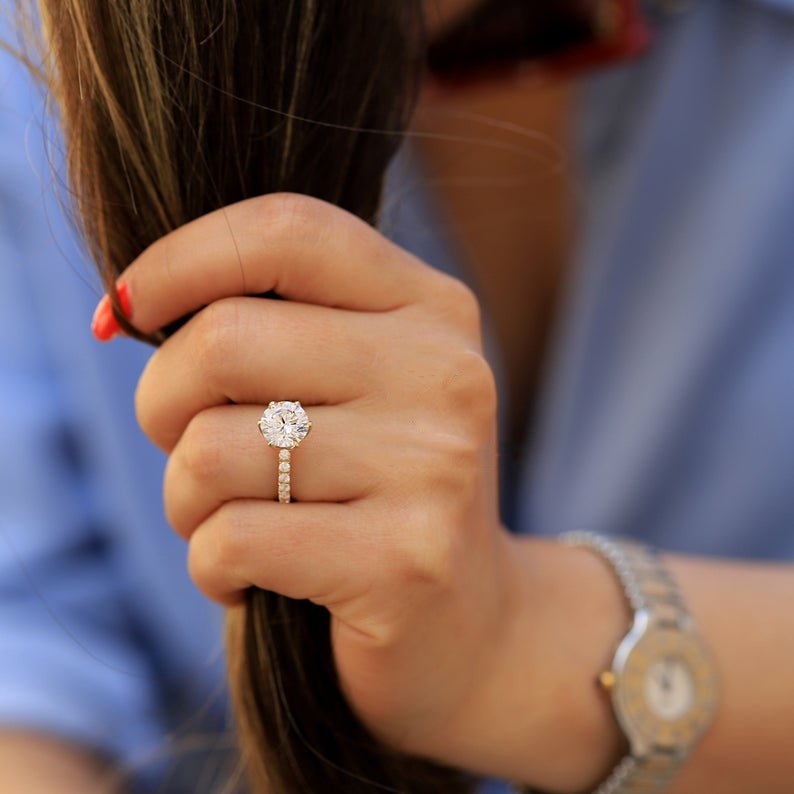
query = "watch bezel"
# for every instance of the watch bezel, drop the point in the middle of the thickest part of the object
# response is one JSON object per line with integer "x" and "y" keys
{"x": 647, "y": 641}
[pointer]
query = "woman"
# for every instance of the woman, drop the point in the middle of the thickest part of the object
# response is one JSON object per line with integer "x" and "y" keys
{"x": 438, "y": 614}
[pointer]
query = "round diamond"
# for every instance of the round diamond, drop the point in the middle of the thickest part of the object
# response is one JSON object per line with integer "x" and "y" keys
{"x": 283, "y": 466}
{"x": 284, "y": 454}
{"x": 283, "y": 477}
{"x": 284, "y": 424}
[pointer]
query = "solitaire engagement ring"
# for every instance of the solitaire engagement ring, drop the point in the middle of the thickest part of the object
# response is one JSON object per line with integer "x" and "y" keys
{"x": 284, "y": 425}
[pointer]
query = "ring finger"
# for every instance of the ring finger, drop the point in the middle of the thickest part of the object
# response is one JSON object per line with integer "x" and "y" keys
{"x": 222, "y": 456}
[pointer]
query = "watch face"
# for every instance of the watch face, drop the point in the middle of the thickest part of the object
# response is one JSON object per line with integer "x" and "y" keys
{"x": 669, "y": 688}
{"x": 666, "y": 690}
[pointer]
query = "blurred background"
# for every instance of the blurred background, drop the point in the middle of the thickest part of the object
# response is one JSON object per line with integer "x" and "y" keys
{"x": 615, "y": 181}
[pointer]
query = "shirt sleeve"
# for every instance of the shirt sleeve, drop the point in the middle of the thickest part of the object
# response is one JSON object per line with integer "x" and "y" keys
{"x": 71, "y": 662}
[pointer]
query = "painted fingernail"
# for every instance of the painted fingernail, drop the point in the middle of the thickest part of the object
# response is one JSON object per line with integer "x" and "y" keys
{"x": 104, "y": 325}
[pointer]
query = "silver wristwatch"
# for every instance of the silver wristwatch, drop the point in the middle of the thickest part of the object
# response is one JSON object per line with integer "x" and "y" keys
{"x": 662, "y": 682}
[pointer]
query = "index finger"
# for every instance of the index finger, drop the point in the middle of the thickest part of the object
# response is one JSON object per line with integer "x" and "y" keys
{"x": 301, "y": 247}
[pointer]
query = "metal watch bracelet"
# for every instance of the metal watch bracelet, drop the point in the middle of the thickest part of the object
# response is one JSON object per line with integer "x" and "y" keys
{"x": 647, "y": 586}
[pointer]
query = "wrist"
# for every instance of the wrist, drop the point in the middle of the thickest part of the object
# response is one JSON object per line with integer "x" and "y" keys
{"x": 576, "y": 613}
{"x": 540, "y": 717}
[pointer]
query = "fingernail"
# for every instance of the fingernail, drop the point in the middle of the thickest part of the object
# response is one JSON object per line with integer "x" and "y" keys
{"x": 104, "y": 324}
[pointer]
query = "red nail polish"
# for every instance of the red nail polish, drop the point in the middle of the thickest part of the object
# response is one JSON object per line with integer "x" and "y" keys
{"x": 104, "y": 325}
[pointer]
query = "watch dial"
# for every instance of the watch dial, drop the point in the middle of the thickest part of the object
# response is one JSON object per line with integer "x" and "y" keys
{"x": 669, "y": 688}
{"x": 666, "y": 691}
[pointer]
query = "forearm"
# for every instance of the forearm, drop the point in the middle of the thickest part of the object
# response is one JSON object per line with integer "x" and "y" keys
{"x": 745, "y": 612}
{"x": 541, "y": 718}
{"x": 37, "y": 764}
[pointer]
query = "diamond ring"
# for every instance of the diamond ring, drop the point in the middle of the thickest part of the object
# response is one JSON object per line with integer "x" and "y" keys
{"x": 284, "y": 425}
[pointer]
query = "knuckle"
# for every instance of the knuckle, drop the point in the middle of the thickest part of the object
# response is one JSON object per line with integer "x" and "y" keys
{"x": 145, "y": 412}
{"x": 291, "y": 215}
{"x": 152, "y": 411}
{"x": 290, "y": 222}
{"x": 172, "y": 498}
{"x": 481, "y": 386}
{"x": 429, "y": 560}
{"x": 202, "y": 565}
{"x": 467, "y": 383}
{"x": 229, "y": 532}
{"x": 217, "y": 547}
{"x": 201, "y": 450}
{"x": 476, "y": 373}
{"x": 217, "y": 331}
{"x": 200, "y": 561}
{"x": 460, "y": 303}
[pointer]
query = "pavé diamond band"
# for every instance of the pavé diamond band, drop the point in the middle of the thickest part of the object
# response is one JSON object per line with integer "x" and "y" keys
{"x": 284, "y": 425}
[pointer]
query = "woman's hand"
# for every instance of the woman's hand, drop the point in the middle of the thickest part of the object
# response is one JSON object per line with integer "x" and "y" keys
{"x": 395, "y": 528}
{"x": 453, "y": 639}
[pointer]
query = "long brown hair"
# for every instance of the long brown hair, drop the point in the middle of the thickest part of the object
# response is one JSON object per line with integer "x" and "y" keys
{"x": 171, "y": 109}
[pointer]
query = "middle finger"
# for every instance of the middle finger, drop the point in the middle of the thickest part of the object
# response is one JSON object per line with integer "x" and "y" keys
{"x": 254, "y": 350}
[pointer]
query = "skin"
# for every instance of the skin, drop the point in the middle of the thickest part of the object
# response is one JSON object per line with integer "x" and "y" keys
{"x": 36, "y": 764}
{"x": 489, "y": 661}
{"x": 507, "y": 202}
{"x": 454, "y": 639}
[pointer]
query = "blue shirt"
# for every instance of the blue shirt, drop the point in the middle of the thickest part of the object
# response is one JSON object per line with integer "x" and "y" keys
{"x": 103, "y": 637}
{"x": 668, "y": 413}
{"x": 665, "y": 413}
